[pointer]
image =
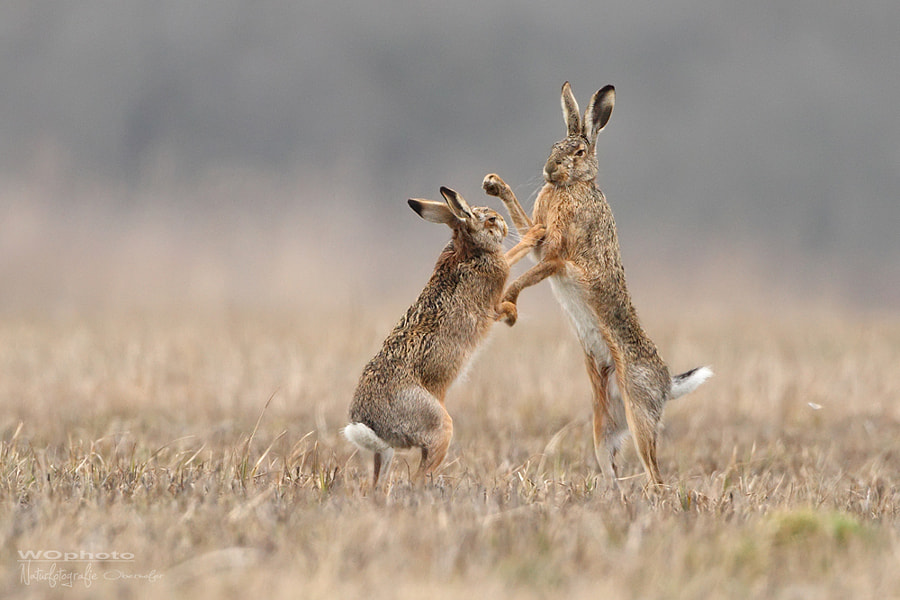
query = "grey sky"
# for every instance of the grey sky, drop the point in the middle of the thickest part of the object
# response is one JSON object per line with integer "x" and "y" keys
{"x": 773, "y": 123}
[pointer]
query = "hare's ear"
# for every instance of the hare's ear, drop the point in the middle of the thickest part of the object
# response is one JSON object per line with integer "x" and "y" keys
{"x": 598, "y": 112}
{"x": 457, "y": 204}
{"x": 570, "y": 110}
{"x": 435, "y": 212}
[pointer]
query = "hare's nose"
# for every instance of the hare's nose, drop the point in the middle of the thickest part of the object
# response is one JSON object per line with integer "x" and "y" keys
{"x": 550, "y": 168}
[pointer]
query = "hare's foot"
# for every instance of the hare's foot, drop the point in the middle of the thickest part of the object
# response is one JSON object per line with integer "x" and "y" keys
{"x": 508, "y": 313}
{"x": 382, "y": 462}
{"x": 531, "y": 238}
{"x": 494, "y": 186}
{"x": 434, "y": 449}
{"x": 536, "y": 234}
{"x": 511, "y": 296}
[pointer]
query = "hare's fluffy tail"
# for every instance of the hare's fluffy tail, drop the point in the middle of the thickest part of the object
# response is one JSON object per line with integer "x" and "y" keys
{"x": 364, "y": 438}
{"x": 689, "y": 381}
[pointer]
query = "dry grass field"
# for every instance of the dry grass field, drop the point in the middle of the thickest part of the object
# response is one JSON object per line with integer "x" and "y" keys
{"x": 198, "y": 454}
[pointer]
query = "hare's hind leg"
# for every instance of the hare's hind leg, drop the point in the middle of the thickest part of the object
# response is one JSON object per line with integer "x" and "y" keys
{"x": 434, "y": 451}
{"x": 644, "y": 426}
{"x": 423, "y": 422}
{"x": 646, "y": 447}
{"x": 382, "y": 462}
{"x": 607, "y": 431}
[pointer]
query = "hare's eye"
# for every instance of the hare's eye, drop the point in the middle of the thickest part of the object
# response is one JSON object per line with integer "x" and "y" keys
{"x": 580, "y": 152}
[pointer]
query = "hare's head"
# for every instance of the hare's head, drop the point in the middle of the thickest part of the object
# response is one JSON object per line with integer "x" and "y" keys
{"x": 479, "y": 227}
{"x": 574, "y": 158}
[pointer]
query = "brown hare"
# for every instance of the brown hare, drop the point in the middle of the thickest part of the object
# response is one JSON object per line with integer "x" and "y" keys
{"x": 580, "y": 253}
{"x": 399, "y": 402}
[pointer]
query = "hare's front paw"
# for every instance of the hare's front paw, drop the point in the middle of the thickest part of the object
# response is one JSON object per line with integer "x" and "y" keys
{"x": 537, "y": 232}
{"x": 511, "y": 296}
{"x": 493, "y": 185}
{"x": 508, "y": 313}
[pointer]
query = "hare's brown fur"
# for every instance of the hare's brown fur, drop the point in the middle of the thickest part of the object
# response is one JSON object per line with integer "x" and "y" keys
{"x": 580, "y": 252}
{"x": 400, "y": 396}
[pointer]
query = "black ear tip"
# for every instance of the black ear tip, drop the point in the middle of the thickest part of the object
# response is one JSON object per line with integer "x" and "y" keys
{"x": 415, "y": 205}
{"x": 449, "y": 194}
{"x": 607, "y": 88}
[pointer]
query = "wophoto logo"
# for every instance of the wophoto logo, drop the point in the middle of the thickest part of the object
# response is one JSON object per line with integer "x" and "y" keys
{"x": 73, "y": 556}
{"x": 66, "y": 568}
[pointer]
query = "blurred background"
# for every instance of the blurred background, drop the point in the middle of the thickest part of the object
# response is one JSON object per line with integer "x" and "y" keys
{"x": 233, "y": 153}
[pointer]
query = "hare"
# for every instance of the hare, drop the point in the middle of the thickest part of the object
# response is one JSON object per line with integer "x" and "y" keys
{"x": 580, "y": 253}
{"x": 399, "y": 402}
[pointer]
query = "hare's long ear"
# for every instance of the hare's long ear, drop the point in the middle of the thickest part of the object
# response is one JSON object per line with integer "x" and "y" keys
{"x": 598, "y": 112}
{"x": 457, "y": 204}
{"x": 435, "y": 212}
{"x": 570, "y": 110}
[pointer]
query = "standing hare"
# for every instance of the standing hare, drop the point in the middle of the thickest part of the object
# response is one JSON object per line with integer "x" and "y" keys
{"x": 399, "y": 402}
{"x": 580, "y": 253}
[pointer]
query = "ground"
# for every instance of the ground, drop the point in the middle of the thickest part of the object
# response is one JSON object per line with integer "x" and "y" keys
{"x": 203, "y": 446}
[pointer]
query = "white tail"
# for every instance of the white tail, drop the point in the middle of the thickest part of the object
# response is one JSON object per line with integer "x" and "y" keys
{"x": 364, "y": 438}
{"x": 689, "y": 381}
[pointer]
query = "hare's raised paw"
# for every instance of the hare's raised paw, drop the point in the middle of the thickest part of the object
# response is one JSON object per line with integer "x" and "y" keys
{"x": 511, "y": 296}
{"x": 493, "y": 185}
{"x": 508, "y": 313}
{"x": 537, "y": 232}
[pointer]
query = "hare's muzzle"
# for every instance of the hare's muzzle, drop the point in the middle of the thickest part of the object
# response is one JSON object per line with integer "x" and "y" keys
{"x": 552, "y": 172}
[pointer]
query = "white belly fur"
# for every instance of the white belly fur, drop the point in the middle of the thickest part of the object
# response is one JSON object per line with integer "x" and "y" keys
{"x": 570, "y": 296}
